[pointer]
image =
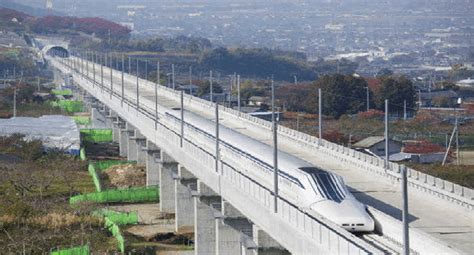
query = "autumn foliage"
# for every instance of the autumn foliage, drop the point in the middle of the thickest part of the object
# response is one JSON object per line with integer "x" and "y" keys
{"x": 96, "y": 26}
{"x": 422, "y": 147}
{"x": 371, "y": 114}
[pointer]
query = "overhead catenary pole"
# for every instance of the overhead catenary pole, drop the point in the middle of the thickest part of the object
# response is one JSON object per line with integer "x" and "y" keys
{"x": 406, "y": 238}
{"x": 94, "y": 56}
{"x": 217, "y": 138}
{"x": 146, "y": 69}
{"x": 238, "y": 93}
{"x": 210, "y": 86}
{"x": 275, "y": 151}
{"x": 129, "y": 65}
{"x": 320, "y": 119}
{"x": 122, "y": 80}
{"x": 38, "y": 82}
{"x": 190, "y": 80}
{"x": 138, "y": 90}
{"x": 386, "y": 135}
{"x": 87, "y": 63}
{"x": 111, "y": 78}
{"x": 102, "y": 73}
{"x": 182, "y": 118}
{"x": 156, "y": 93}
{"x": 172, "y": 73}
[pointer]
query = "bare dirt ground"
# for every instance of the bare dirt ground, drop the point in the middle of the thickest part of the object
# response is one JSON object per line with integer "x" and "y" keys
{"x": 156, "y": 230}
{"x": 125, "y": 176}
{"x": 467, "y": 158}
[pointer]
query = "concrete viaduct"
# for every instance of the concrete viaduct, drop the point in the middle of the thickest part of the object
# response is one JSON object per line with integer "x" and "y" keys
{"x": 232, "y": 214}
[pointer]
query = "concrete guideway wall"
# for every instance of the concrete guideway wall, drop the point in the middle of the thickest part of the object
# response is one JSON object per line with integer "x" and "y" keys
{"x": 420, "y": 242}
{"x": 299, "y": 231}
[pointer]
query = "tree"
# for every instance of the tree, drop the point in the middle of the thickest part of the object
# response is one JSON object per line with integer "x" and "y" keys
{"x": 342, "y": 94}
{"x": 205, "y": 88}
{"x": 294, "y": 97}
{"x": 384, "y": 72}
{"x": 396, "y": 90}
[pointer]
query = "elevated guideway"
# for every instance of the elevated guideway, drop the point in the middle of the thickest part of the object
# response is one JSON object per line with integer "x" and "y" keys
{"x": 438, "y": 209}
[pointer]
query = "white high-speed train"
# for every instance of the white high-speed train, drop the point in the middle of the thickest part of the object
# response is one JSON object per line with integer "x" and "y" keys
{"x": 301, "y": 183}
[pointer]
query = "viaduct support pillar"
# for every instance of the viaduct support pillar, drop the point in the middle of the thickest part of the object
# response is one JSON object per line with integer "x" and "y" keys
{"x": 140, "y": 144}
{"x": 184, "y": 183}
{"x": 266, "y": 245}
{"x": 124, "y": 138}
{"x": 168, "y": 167}
{"x": 233, "y": 231}
{"x": 131, "y": 143}
{"x": 204, "y": 219}
{"x": 152, "y": 164}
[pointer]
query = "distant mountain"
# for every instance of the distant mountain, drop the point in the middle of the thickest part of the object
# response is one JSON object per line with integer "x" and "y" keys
{"x": 33, "y": 11}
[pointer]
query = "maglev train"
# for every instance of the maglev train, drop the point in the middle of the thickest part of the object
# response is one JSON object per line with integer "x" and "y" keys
{"x": 299, "y": 182}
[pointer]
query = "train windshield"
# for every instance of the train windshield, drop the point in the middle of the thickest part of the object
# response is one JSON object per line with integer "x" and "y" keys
{"x": 329, "y": 185}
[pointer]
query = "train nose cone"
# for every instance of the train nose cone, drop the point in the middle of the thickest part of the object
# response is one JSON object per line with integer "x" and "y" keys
{"x": 349, "y": 214}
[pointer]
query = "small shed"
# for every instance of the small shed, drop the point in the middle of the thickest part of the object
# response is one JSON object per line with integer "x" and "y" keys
{"x": 375, "y": 145}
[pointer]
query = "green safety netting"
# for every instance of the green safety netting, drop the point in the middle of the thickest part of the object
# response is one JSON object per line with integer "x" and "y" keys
{"x": 131, "y": 195}
{"x": 79, "y": 250}
{"x": 96, "y": 135}
{"x": 70, "y": 106}
{"x": 119, "y": 218}
{"x": 114, "y": 228}
{"x": 82, "y": 120}
{"x": 82, "y": 154}
{"x": 95, "y": 177}
{"x": 105, "y": 164}
{"x": 61, "y": 92}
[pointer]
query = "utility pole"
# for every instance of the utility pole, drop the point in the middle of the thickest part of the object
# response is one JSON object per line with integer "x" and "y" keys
{"x": 238, "y": 93}
{"x": 457, "y": 141}
{"x": 38, "y": 82}
{"x": 275, "y": 151}
{"x": 295, "y": 79}
{"x": 210, "y": 86}
{"x": 404, "y": 109}
{"x": 386, "y": 135}
{"x": 320, "y": 118}
{"x": 172, "y": 73}
{"x": 406, "y": 238}
{"x": 182, "y": 119}
{"x": 368, "y": 98}
{"x": 217, "y": 137}
{"x": 14, "y": 102}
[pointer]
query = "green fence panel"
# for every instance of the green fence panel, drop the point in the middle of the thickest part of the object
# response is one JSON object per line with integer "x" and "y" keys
{"x": 114, "y": 228}
{"x": 119, "y": 218}
{"x": 96, "y": 135}
{"x": 82, "y": 120}
{"x": 80, "y": 250}
{"x": 105, "y": 164}
{"x": 82, "y": 154}
{"x": 132, "y": 195}
{"x": 61, "y": 92}
{"x": 95, "y": 177}
{"x": 70, "y": 106}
